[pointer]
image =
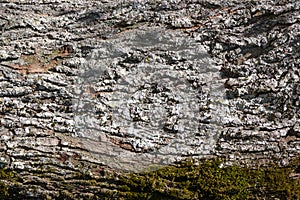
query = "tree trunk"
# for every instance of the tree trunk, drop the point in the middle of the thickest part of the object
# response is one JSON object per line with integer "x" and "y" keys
{"x": 90, "y": 89}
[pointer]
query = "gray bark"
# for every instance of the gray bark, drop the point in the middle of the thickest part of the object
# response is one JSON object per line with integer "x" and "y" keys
{"x": 97, "y": 86}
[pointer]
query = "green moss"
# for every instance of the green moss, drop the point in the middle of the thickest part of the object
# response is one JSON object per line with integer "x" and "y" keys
{"x": 184, "y": 180}
{"x": 6, "y": 175}
{"x": 65, "y": 195}
{"x": 3, "y": 191}
{"x": 82, "y": 176}
{"x": 210, "y": 181}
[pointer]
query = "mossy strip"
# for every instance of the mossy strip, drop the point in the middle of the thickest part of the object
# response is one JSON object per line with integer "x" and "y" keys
{"x": 210, "y": 180}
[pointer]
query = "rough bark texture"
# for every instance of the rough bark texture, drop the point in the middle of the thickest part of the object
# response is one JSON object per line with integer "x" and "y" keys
{"x": 92, "y": 86}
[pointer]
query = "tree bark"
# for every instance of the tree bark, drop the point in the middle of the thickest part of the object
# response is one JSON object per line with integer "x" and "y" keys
{"x": 92, "y": 88}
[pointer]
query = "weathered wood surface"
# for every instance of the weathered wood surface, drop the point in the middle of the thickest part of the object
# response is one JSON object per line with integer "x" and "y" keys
{"x": 87, "y": 85}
